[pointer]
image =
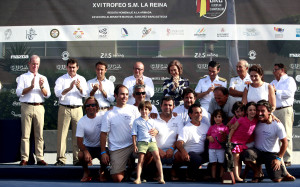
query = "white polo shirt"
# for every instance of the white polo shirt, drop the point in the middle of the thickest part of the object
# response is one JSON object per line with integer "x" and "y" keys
{"x": 90, "y": 129}
{"x": 193, "y": 137}
{"x": 267, "y": 136}
{"x": 167, "y": 131}
{"x": 183, "y": 112}
{"x": 118, "y": 124}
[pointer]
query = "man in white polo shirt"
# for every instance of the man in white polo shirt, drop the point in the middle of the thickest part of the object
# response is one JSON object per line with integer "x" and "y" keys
{"x": 70, "y": 88}
{"x": 191, "y": 142}
{"x": 285, "y": 88}
{"x": 88, "y": 138}
{"x": 267, "y": 149}
{"x": 101, "y": 88}
{"x": 189, "y": 98}
{"x": 117, "y": 126}
{"x": 138, "y": 78}
{"x": 32, "y": 89}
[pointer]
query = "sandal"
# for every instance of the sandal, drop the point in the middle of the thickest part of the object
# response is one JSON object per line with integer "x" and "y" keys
{"x": 86, "y": 179}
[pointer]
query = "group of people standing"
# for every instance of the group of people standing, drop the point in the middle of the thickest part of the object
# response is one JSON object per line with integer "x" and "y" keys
{"x": 177, "y": 134}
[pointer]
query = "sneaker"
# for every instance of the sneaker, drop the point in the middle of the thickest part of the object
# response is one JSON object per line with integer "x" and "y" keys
{"x": 59, "y": 163}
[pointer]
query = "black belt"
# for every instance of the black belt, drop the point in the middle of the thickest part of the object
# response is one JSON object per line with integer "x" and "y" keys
{"x": 34, "y": 104}
{"x": 279, "y": 108}
{"x": 71, "y": 106}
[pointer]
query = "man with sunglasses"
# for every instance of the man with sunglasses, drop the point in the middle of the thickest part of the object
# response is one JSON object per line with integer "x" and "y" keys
{"x": 138, "y": 78}
{"x": 140, "y": 95}
{"x": 285, "y": 88}
{"x": 88, "y": 138}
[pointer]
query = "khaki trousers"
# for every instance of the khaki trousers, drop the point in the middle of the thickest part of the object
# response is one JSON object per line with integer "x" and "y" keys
{"x": 286, "y": 116}
{"x": 65, "y": 117}
{"x": 32, "y": 115}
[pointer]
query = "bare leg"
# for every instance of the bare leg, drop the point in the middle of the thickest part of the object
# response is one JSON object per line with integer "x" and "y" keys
{"x": 118, "y": 177}
{"x": 221, "y": 171}
{"x": 157, "y": 160}
{"x": 213, "y": 170}
{"x": 139, "y": 169}
{"x": 236, "y": 169}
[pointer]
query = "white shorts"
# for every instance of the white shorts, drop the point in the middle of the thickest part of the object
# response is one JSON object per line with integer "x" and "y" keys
{"x": 216, "y": 155}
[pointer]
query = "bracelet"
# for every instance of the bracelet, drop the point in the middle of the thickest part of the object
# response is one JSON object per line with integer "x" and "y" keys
{"x": 278, "y": 158}
{"x": 102, "y": 152}
{"x": 172, "y": 148}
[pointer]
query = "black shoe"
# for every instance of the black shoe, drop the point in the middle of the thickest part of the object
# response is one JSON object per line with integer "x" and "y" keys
{"x": 59, "y": 163}
{"x": 77, "y": 164}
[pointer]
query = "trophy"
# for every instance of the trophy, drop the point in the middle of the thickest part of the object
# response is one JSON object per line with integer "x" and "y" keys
{"x": 228, "y": 177}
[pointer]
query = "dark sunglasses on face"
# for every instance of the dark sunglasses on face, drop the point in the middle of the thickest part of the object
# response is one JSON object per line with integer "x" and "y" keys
{"x": 90, "y": 105}
{"x": 140, "y": 93}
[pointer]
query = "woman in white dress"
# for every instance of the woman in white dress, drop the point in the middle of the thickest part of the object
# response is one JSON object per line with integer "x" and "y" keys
{"x": 258, "y": 89}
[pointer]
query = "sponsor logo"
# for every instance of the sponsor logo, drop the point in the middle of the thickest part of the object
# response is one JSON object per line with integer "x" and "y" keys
{"x": 158, "y": 90}
{"x": 12, "y": 91}
{"x": 159, "y": 78}
{"x": 65, "y": 55}
{"x": 297, "y": 79}
{"x": 78, "y": 34}
{"x": 294, "y": 55}
{"x": 102, "y": 32}
{"x": 223, "y": 33}
{"x": 19, "y": 57}
{"x": 19, "y": 68}
{"x": 146, "y": 31}
{"x": 159, "y": 67}
{"x": 7, "y": 34}
{"x": 202, "y": 66}
{"x": 114, "y": 67}
{"x": 296, "y": 101}
{"x": 278, "y": 30}
{"x": 112, "y": 78}
{"x": 211, "y": 9}
{"x": 30, "y": 34}
{"x": 205, "y": 55}
{"x": 251, "y": 32}
{"x": 61, "y": 67}
{"x": 16, "y": 103}
{"x": 297, "y": 32}
{"x": 294, "y": 66}
{"x": 54, "y": 33}
{"x": 15, "y": 115}
{"x": 175, "y": 32}
{"x": 106, "y": 55}
{"x": 200, "y": 33}
{"x": 252, "y": 55}
{"x": 124, "y": 33}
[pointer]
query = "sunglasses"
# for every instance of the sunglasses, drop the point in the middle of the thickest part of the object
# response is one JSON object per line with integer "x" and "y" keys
{"x": 90, "y": 105}
{"x": 140, "y": 93}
